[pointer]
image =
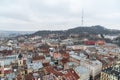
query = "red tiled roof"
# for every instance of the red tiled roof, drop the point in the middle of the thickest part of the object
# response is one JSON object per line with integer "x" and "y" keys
{"x": 38, "y": 58}
{"x": 19, "y": 77}
{"x": 50, "y": 69}
{"x": 71, "y": 75}
{"x": 29, "y": 77}
{"x": 89, "y": 42}
{"x": 66, "y": 55}
{"x": 6, "y": 52}
{"x": 57, "y": 55}
{"x": 44, "y": 50}
{"x": 62, "y": 51}
{"x": 64, "y": 60}
{"x": 46, "y": 64}
{"x": 7, "y": 71}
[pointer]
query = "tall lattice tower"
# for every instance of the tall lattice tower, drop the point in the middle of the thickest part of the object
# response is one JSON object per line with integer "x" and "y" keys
{"x": 82, "y": 18}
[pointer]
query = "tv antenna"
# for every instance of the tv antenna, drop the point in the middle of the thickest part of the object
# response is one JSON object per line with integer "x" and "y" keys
{"x": 82, "y": 18}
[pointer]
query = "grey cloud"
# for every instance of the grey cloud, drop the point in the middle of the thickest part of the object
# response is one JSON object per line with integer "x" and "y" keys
{"x": 33, "y": 14}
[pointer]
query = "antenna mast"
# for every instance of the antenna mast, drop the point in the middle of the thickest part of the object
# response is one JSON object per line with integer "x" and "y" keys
{"x": 82, "y": 21}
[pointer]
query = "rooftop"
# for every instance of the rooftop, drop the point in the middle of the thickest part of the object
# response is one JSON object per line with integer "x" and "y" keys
{"x": 115, "y": 70}
{"x": 71, "y": 75}
{"x": 81, "y": 70}
{"x": 35, "y": 65}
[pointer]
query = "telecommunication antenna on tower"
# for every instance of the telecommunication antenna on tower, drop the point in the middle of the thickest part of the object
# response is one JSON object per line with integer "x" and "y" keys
{"x": 82, "y": 20}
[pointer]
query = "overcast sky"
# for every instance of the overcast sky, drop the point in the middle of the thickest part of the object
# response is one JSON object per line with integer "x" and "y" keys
{"x": 33, "y": 15}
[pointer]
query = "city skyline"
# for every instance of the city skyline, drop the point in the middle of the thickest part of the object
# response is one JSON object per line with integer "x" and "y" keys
{"x": 34, "y": 15}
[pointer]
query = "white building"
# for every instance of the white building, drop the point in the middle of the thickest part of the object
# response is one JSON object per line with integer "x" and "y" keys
{"x": 94, "y": 66}
{"x": 83, "y": 72}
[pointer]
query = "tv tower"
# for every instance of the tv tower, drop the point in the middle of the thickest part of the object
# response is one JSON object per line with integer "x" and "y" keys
{"x": 82, "y": 20}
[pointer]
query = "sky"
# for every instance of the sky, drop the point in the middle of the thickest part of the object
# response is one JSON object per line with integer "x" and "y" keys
{"x": 34, "y": 15}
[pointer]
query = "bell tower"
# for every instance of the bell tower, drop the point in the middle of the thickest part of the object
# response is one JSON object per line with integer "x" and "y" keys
{"x": 20, "y": 60}
{"x": 1, "y": 68}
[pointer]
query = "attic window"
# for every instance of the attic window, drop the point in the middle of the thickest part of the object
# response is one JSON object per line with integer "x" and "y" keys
{"x": 72, "y": 71}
